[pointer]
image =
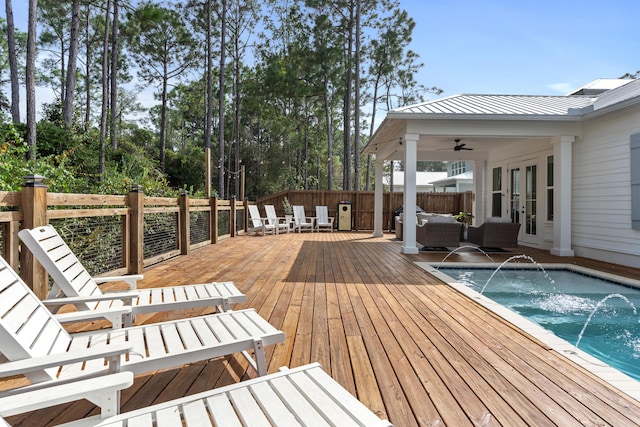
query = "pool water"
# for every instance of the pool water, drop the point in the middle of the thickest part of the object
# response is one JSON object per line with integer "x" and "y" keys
{"x": 561, "y": 302}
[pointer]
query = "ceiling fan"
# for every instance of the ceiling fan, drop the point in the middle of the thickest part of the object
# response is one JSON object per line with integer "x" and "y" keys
{"x": 459, "y": 147}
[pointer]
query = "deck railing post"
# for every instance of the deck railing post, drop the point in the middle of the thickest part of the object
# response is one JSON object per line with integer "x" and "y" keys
{"x": 184, "y": 227}
{"x": 245, "y": 205}
{"x": 34, "y": 214}
{"x": 136, "y": 204}
{"x": 214, "y": 219}
{"x": 232, "y": 218}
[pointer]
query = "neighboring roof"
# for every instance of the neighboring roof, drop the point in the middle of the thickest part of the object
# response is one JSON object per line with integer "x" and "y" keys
{"x": 618, "y": 95}
{"x": 465, "y": 176}
{"x": 598, "y": 86}
{"x": 422, "y": 178}
{"x": 499, "y": 105}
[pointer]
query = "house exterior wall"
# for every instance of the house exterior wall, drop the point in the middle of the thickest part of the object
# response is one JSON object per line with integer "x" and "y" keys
{"x": 525, "y": 153}
{"x": 601, "y": 205}
{"x": 601, "y": 191}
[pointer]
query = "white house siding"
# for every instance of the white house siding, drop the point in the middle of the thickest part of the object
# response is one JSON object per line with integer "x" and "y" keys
{"x": 601, "y": 206}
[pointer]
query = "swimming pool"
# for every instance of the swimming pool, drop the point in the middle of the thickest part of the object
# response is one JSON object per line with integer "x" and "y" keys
{"x": 561, "y": 301}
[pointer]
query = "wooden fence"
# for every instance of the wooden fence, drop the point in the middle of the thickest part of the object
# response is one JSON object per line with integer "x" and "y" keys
{"x": 114, "y": 234}
{"x": 362, "y": 204}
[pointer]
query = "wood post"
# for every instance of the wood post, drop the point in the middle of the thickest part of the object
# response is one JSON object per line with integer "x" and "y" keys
{"x": 232, "y": 218}
{"x": 34, "y": 214}
{"x": 184, "y": 226}
{"x": 214, "y": 219}
{"x": 136, "y": 204}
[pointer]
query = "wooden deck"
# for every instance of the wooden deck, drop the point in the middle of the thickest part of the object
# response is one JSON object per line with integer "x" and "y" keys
{"x": 412, "y": 349}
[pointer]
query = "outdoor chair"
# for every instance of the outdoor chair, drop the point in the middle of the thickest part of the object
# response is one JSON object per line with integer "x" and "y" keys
{"x": 305, "y": 395}
{"x": 260, "y": 224}
{"x": 323, "y": 220}
{"x": 438, "y": 232}
{"x": 29, "y": 332}
{"x": 300, "y": 221}
{"x": 273, "y": 220}
{"x": 496, "y": 232}
{"x": 72, "y": 280}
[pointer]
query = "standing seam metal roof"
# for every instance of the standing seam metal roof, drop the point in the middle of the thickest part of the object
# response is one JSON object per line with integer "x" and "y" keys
{"x": 501, "y": 105}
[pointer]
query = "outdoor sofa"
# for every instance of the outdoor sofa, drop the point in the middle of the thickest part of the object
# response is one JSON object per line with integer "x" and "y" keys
{"x": 496, "y": 232}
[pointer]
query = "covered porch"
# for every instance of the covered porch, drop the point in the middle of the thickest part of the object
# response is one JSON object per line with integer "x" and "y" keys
{"x": 521, "y": 148}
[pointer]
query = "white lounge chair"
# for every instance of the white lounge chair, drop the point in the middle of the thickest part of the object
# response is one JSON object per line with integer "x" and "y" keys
{"x": 273, "y": 220}
{"x": 260, "y": 224}
{"x": 72, "y": 280}
{"x": 323, "y": 220}
{"x": 302, "y": 396}
{"x": 29, "y": 330}
{"x": 300, "y": 221}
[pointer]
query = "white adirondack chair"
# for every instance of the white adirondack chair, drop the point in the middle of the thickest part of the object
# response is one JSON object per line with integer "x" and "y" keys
{"x": 302, "y": 396}
{"x": 260, "y": 224}
{"x": 272, "y": 218}
{"x": 29, "y": 330}
{"x": 72, "y": 280}
{"x": 323, "y": 220}
{"x": 300, "y": 221}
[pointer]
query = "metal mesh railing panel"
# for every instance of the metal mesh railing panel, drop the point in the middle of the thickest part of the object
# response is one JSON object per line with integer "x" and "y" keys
{"x": 95, "y": 241}
{"x": 160, "y": 233}
{"x": 239, "y": 220}
{"x": 223, "y": 223}
{"x": 200, "y": 230}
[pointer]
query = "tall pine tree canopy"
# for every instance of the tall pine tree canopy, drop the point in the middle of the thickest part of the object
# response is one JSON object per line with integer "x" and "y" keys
{"x": 174, "y": 95}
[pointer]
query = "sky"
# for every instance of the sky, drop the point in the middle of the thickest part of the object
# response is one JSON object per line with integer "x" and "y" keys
{"x": 533, "y": 47}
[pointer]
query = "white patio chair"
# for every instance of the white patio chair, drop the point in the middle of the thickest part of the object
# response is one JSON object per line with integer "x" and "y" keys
{"x": 323, "y": 220}
{"x": 28, "y": 330}
{"x": 300, "y": 221}
{"x": 273, "y": 220}
{"x": 302, "y": 396}
{"x": 260, "y": 224}
{"x": 72, "y": 280}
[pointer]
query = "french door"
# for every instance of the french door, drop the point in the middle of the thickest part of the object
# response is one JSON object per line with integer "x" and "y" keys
{"x": 523, "y": 201}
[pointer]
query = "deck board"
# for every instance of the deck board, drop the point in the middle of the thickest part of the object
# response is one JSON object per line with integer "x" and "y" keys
{"x": 411, "y": 348}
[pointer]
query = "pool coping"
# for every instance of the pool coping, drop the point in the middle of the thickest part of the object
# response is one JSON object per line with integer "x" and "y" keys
{"x": 621, "y": 381}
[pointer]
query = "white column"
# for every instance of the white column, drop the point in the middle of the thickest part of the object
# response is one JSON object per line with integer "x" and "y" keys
{"x": 378, "y": 199}
{"x": 409, "y": 246}
{"x": 480, "y": 201}
{"x": 562, "y": 159}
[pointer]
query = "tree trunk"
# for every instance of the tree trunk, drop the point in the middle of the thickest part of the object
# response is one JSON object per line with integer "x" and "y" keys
{"x": 346, "y": 179}
{"x": 223, "y": 36}
{"x": 87, "y": 109}
{"x": 13, "y": 64}
{"x": 209, "y": 111}
{"x": 30, "y": 78}
{"x": 356, "y": 113}
{"x": 114, "y": 79}
{"x": 70, "y": 87}
{"x": 163, "y": 118}
{"x": 105, "y": 91}
{"x": 329, "y": 124}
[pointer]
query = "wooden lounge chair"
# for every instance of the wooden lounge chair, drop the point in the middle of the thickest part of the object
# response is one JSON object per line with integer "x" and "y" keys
{"x": 323, "y": 220}
{"x": 300, "y": 221}
{"x": 74, "y": 281}
{"x": 273, "y": 220}
{"x": 29, "y": 330}
{"x": 291, "y": 397}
